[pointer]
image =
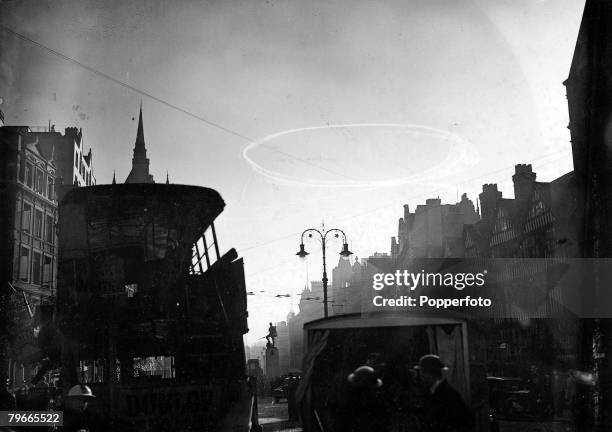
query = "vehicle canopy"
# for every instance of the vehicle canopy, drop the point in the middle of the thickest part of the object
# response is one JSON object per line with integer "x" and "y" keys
{"x": 156, "y": 218}
{"x": 390, "y": 343}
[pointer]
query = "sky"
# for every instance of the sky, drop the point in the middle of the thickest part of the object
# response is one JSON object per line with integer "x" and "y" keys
{"x": 298, "y": 113}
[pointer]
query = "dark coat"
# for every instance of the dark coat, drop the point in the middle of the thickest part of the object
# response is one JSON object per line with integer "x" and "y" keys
{"x": 88, "y": 420}
{"x": 445, "y": 411}
{"x": 8, "y": 401}
{"x": 363, "y": 411}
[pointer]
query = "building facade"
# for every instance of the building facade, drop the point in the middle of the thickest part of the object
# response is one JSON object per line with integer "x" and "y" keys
{"x": 74, "y": 164}
{"x": 589, "y": 92}
{"x": 352, "y": 283}
{"x": 310, "y": 308}
{"x": 434, "y": 230}
{"x": 539, "y": 222}
{"x": 28, "y": 243}
{"x": 30, "y": 212}
{"x": 284, "y": 349}
{"x": 39, "y": 165}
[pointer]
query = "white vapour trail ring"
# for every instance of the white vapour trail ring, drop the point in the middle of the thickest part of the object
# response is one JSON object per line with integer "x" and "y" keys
{"x": 460, "y": 156}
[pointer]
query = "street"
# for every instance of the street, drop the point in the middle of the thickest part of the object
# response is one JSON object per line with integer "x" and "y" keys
{"x": 273, "y": 416}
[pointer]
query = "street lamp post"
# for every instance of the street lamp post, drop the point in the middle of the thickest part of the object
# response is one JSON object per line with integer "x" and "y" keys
{"x": 345, "y": 253}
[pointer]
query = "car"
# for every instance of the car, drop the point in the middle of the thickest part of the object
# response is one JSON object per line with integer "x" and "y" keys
{"x": 511, "y": 399}
{"x": 280, "y": 392}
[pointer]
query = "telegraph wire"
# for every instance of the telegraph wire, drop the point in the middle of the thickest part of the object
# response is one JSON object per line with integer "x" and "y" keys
{"x": 182, "y": 110}
{"x": 226, "y": 129}
{"x": 163, "y": 101}
{"x": 123, "y": 84}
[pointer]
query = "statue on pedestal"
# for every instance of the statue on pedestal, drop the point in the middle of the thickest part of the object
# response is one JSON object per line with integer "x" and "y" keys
{"x": 271, "y": 336}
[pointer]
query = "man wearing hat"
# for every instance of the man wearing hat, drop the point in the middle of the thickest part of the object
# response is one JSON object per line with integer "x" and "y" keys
{"x": 364, "y": 409}
{"x": 78, "y": 416}
{"x": 444, "y": 409}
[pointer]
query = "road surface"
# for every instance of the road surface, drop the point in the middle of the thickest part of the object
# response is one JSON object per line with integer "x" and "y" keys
{"x": 273, "y": 416}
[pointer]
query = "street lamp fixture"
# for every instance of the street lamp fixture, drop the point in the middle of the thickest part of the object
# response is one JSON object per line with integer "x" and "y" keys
{"x": 302, "y": 253}
{"x": 345, "y": 253}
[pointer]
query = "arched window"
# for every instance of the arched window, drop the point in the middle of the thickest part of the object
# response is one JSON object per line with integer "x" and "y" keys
{"x": 537, "y": 204}
{"x": 502, "y": 221}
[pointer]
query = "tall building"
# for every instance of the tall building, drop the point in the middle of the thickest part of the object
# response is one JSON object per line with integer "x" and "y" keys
{"x": 28, "y": 243}
{"x": 589, "y": 97}
{"x": 434, "y": 230}
{"x": 74, "y": 164}
{"x": 140, "y": 162}
{"x": 311, "y": 308}
{"x": 282, "y": 343}
{"x": 29, "y": 212}
{"x": 537, "y": 223}
{"x": 295, "y": 339}
{"x": 341, "y": 279}
{"x": 38, "y": 166}
{"x": 352, "y": 283}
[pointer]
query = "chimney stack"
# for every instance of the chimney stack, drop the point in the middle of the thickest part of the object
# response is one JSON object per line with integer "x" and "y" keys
{"x": 523, "y": 180}
{"x": 488, "y": 199}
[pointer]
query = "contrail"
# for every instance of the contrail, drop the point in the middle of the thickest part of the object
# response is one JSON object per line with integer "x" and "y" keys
{"x": 460, "y": 156}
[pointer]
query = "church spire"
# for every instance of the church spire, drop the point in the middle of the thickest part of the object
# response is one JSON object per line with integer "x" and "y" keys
{"x": 114, "y": 179}
{"x": 139, "y": 147}
{"x": 140, "y": 162}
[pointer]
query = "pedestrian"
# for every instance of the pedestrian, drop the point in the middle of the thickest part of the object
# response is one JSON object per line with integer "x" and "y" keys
{"x": 8, "y": 402}
{"x": 363, "y": 409}
{"x": 78, "y": 414}
{"x": 292, "y": 407}
{"x": 444, "y": 410}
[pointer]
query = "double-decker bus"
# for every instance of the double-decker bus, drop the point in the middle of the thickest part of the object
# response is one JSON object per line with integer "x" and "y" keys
{"x": 150, "y": 313}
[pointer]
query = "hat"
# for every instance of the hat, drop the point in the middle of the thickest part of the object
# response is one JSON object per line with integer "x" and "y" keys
{"x": 430, "y": 363}
{"x": 364, "y": 376}
{"x": 80, "y": 390}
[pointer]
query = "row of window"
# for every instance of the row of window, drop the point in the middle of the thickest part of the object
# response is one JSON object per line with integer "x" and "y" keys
{"x": 35, "y": 267}
{"x": 34, "y": 223}
{"x": 39, "y": 181}
{"x": 540, "y": 245}
{"x": 88, "y": 181}
{"x": 201, "y": 251}
{"x": 81, "y": 168}
{"x": 94, "y": 371}
{"x": 502, "y": 222}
